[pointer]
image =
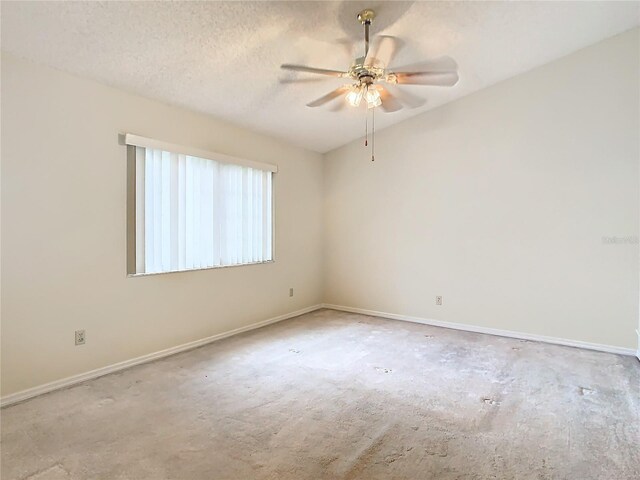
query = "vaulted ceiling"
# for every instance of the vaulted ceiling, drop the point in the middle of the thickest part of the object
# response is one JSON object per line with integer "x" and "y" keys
{"x": 223, "y": 58}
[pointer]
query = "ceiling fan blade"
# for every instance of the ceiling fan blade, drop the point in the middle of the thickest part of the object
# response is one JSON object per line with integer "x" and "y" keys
{"x": 442, "y": 64}
{"x": 389, "y": 102}
{"x": 339, "y": 106}
{"x": 328, "y": 97}
{"x": 382, "y": 52}
{"x": 407, "y": 98}
{"x": 320, "y": 71}
{"x": 425, "y": 78}
{"x": 302, "y": 80}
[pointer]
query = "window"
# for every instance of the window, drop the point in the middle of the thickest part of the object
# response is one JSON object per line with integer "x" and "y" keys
{"x": 190, "y": 209}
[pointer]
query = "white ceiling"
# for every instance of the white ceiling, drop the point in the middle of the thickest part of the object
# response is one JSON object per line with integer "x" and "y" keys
{"x": 223, "y": 58}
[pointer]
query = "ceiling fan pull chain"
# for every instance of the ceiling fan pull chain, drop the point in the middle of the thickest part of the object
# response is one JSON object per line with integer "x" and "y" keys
{"x": 373, "y": 134}
{"x": 366, "y": 128}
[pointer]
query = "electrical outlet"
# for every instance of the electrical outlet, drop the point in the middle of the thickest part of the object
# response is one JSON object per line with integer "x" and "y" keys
{"x": 80, "y": 337}
{"x": 438, "y": 300}
{"x": 291, "y": 292}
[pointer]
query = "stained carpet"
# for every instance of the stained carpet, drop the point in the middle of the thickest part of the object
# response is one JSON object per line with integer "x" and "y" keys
{"x": 332, "y": 395}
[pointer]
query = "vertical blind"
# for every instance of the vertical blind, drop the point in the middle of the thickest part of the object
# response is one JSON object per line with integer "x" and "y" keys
{"x": 194, "y": 212}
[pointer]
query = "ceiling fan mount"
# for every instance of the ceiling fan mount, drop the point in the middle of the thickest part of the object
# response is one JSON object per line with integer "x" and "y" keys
{"x": 368, "y": 72}
{"x": 366, "y": 16}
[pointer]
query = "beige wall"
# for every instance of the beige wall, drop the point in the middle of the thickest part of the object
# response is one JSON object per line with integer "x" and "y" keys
{"x": 499, "y": 203}
{"x": 64, "y": 239}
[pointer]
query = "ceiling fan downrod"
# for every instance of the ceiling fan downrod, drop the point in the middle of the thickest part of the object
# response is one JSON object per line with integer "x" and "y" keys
{"x": 366, "y": 17}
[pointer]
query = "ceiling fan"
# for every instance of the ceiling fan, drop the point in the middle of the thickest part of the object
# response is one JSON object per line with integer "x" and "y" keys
{"x": 368, "y": 72}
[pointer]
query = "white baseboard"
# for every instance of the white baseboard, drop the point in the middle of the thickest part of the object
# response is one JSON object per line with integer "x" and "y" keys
{"x": 82, "y": 377}
{"x": 99, "y": 372}
{"x": 638, "y": 351}
{"x": 491, "y": 331}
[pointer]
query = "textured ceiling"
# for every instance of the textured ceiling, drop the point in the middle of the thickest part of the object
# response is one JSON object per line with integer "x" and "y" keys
{"x": 223, "y": 58}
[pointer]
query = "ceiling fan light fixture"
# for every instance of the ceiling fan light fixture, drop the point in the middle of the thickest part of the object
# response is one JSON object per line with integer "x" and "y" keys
{"x": 354, "y": 97}
{"x": 372, "y": 96}
{"x": 374, "y": 104}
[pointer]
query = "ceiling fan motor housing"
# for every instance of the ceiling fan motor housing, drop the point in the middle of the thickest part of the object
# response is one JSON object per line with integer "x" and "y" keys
{"x": 364, "y": 73}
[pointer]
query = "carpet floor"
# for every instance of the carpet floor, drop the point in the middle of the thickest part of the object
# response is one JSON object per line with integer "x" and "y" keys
{"x": 332, "y": 395}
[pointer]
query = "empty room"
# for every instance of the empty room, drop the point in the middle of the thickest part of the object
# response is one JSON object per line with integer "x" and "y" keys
{"x": 320, "y": 240}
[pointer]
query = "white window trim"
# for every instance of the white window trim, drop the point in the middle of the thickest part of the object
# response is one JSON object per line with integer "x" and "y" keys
{"x": 139, "y": 141}
{"x": 132, "y": 141}
{"x": 216, "y": 267}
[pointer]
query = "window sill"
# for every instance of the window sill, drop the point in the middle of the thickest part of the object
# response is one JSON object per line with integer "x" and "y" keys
{"x": 131, "y": 275}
